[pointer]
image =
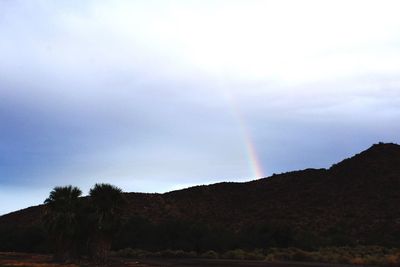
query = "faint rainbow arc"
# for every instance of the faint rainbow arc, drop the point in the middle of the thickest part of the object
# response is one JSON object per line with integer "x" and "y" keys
{"x": 253, "y": 158}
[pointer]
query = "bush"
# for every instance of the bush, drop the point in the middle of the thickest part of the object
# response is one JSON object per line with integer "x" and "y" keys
{"x": 172, "y": 253}
{"x": 133, "y": 253}
{"x": 360, "y": 255}
{"x": 300, "y": 255}
{"x": 211, "y": 254}
{"x": 176, "y": 254}
{"x": 255, "y": 255}
{"x": 239, "y": 254}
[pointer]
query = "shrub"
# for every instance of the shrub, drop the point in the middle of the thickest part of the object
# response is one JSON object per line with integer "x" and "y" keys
{"x": 191, "y": 254}
{"x": 270, "y": 257}
{"x": 175, "y": 254}
{"x": 254, "y": 255}
{"x": 133, "y": 253}
{"x": 211, "y": 254}
{"x": 237, "y": 254}
{"x": 300, "y": 255}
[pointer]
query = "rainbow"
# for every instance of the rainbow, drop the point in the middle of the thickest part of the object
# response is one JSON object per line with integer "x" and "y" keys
{"x": 253, "y": 159}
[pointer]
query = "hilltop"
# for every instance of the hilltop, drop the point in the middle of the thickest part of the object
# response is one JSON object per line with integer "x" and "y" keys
{"x": 356, "y": 201}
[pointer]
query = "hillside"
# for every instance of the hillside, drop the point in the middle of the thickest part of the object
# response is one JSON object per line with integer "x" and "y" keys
{"x": 356, "y": 201}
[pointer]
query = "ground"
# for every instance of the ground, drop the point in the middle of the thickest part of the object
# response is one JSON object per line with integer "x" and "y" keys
{"x": 11, "y": 259}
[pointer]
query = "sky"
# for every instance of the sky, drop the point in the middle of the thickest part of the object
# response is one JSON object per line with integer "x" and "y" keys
{"x": 154, "y": 96}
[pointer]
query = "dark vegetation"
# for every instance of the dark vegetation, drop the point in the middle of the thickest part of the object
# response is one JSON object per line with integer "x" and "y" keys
{"x": 63, "y": 219}
{"x": 77, "y": 226}
{"x": 360, "y": 255}
{"x": 354, "y": 203}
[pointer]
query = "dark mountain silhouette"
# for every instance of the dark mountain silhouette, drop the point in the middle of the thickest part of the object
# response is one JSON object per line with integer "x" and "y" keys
{"x": 356, "y": 201}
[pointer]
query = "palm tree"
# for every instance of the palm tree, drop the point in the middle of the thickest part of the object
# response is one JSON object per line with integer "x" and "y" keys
{"x": 61, "y": 218}
{"x": 107, "y": 202}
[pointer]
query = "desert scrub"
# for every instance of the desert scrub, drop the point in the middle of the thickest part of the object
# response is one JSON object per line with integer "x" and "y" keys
{"x": 237, "y": 254}
{"x": 361, "y": 255}
{"x": 133, "y": 253}
{"x": 177, "y": 254}
{"x": 211, "y": 254}
{"x": 240, "y": 254}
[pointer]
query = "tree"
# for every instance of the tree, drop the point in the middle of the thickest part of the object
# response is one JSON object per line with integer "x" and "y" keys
{"x": 107, "y": 202}
{"x": 61, "y": 220}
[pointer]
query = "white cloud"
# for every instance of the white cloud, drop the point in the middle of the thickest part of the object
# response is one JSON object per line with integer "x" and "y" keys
{"x": 287, "y": 42}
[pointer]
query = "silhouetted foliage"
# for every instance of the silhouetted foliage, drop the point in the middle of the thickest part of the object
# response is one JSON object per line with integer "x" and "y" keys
{"x": 61, "y": 220}
{"x": 106, "y": 202}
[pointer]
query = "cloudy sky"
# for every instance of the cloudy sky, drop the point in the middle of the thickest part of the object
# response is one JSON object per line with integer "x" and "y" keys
{"x": 154, "y": 96}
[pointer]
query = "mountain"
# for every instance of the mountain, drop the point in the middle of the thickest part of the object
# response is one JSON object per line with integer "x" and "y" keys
{"x": 356, "y": 201}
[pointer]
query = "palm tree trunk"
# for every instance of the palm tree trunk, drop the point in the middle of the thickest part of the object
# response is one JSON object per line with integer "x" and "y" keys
{"x": 100, "y": 247}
